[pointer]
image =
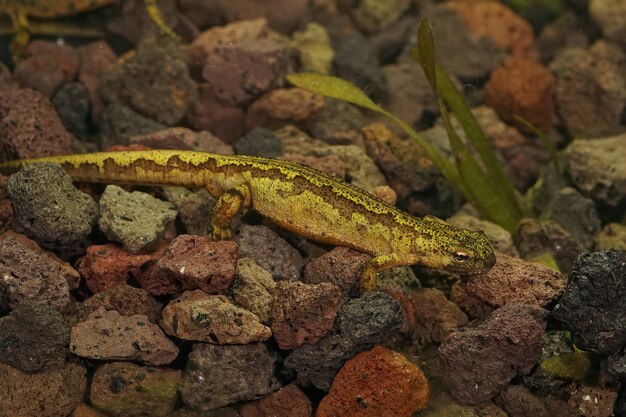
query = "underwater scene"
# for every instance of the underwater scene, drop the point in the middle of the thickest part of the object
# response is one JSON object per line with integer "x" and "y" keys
{"x": 312, "y": 208}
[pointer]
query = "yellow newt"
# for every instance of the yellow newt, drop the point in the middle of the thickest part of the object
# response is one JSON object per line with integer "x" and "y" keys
{"x": 298, "y": 198}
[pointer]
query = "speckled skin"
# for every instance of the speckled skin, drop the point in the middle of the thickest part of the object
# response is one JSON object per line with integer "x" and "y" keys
{"x": 300, "y": 199}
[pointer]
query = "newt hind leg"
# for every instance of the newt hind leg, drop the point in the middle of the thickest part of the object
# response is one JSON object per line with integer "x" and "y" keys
{"x": 231, "y": 202}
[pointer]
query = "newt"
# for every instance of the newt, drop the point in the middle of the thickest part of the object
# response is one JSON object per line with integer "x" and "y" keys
{"x": 301, "y": 199}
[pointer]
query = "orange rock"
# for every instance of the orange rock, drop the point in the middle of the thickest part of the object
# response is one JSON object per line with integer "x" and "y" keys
{"x": 377, "y": 383}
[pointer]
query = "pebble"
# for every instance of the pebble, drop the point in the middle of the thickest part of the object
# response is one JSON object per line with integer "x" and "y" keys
{"x": 71, "y": 103}
{"x": 28, "y": 272}
{"x": 372, "y": 16}
{"x": 182, "y": 138}
{"x": 83, "y": 410}
{"x": 252, "y": 289}
{"x": 286, "y": 402}
{"x": 517, "y": 400}
{"x": 303, "y": 313}
{"x": 478, "y": 362}
{"x": 499, "y": 238}
{"x": 312, "y": 46}
{"x": 376, "y": 383}
{"x": 119, "y": 123}
{"x": 212, "y": 319}
{"x": 339, "y": 123}
{"x": 137, "y": 220}
{"x": 348, "y": 269}
{"x": 192, "y": 207}
{"x": 435, "y": 316}
{"x": 109, "y": 335}
{"x": 513, "y": 280}
{"x": 259, "y": 142}
{"x": 591, "y": 306}
{"x": 124, "y": 389}
{"x": 284, "y": 106}
{"x": 216, "y": 375}
{"x": 593, "y": 401}
{"x": 612, "y": 236}
{"x": 95, "y": 57}
{"x": 610, "y": 16}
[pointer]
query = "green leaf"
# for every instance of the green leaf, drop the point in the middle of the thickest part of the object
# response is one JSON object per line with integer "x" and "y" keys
{"x": 426, "y": 51}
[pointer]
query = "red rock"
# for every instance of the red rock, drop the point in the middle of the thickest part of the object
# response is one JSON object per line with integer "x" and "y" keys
{"x": 343, "y": 267}
{"x": 376, "y": 383}
{"x": 284, "y": 106}
{"x": 435, "y": 316}
{"x": 593, "y": 401}
{"x": 30, "y": 127}
{"x": 83, "y": 410}
{"x": 94, "y": 58}
{"x": 287, "y": 402}
{"x": 471, "y": 305}
{"x": 6, "y": 214}
{"x": 46, "y": 67}
{"x": 107, "y": 266}
{"x": 303, "y": 313}
{"x": 183, "y": 138}
{"x": 522, "y": 87}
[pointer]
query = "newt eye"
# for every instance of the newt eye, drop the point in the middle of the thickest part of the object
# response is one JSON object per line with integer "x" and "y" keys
{"x": 460, "y": 256}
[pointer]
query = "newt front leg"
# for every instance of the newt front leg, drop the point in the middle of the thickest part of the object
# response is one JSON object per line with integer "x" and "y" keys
{"x": 231, "y": 202}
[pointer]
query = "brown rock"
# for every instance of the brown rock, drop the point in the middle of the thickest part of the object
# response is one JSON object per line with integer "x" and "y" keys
{"x": 109, "y": 335}
{"x": 57, "y": 391}
{"x": 183, "y": 138}
{"x": 376, "y": 383}
{"x": 284, "y": 106}
{"x": 95, "y": 57}
{"x": 30, "y": 127}
{"x": 474, "y": 307}
{"x": 197, "y": 263}
{"x": 518, "y": 401}
{"x": 30, "y": 273}
{"x": 344, "y": 267}
{"x": 107, "y": 266}
{"x": 435, "y": 316}
{"x": 198, "y": 316}
{"x": 514, "y": 280}
{"x": 83, "y": 410}
{"x": 286, "y": 402}
{"x": 46, "y": 67}
{"x": 124, "y": 389}
{"x": 303, "y": 313}
{"x": 331, "y": 164}
{"x": 593, "y": 401}
{"x": 252, "y": 289}
{"x": 522, "y": 87}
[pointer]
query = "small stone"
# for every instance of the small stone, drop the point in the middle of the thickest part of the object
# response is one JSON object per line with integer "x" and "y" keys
{"x": 30, "y": 127}
{"x": 252, "y": 289}
{"x": 220, "y": 375}
{"x": 478, "y": 362}
{"x": 286, "y": 402}
{"x": 514, "y": 280}
{"x": 270, "y": 251}
{"x": 312, "y": 45}
{"x": 612, "y": 236}
{"x": 284, "y": 106}
{"x": 124, "y": 389}
{"x": 597, "y": 170}
{"x": 593, "y": 401}
{"x": 259, "y": 142}
{"x": 499, "y": 238}
{"x": 111, "y": 336}
{"x": 107, "y": 266}
{"x": 212, "y": 319}
{"x": 33, "y": 337}
{"x": 72, "y": 105}
{"x": 519, "y": 401}
{"x": 591, "y": 306}
{"x": 339, "y": 123}
{"x": 176, "y": 138}
{"x": 343, "y": 267}
{"x": 192, "y": 207}
{"x": 303, "y": 313}
{"x": 119, "y": 123}
{"x": 54, "y": 392}
{"x": 435, "y": 316}
{"x": 374, "y": 16}
{"x": 137, "y": 220}
{"x": 27, "y": 272}
{"x": 360, "y": 168}
{"x": 610, "y": 15}
{"x": 195, "y": 262}
{"x": 83, "y": 410}
{"x": 473, "y": 306}
{"x": 95, "y": 57}
{"x": 376, "y": 383}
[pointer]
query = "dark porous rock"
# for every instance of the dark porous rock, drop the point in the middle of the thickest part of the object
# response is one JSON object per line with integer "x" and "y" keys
{"x": 126, "y": 300}
{"x": 111, "y": 336}
{"x": 597, "y": 169}
{"x": 558, "y": 365}
{"x": 575, "y": 213}
{"x": 477, "y": 362}
{"x": 284, "y": 106}
{"x": 95, "y": 57}
{"x": 108, "y": 266}
{"x": 339, "y": 123}
{"x": 177, "y": 138}
{"x": 252, "y": 289}
{"x": 137, "y": 220}
{"x": 592, "y": 305}
{"x": 192, "y": 412}
{"x": 286, "y": 402}
{"x": 154, "y": 81}
{"x": 196, "y": 262}
{"x": 53, "y": 392}
{"x": 30, "y": 127}
{"x": 373, "y": 318}
{"x": 593, "y": 401}
{"x": 119, "y": 123}
{"x": 435, "y": 316}
{"x": 303, "y": 313}
{"x": 270, "y": 251}
{"x": 612, "y": 236}
{"x": 198, "y": 316}
{"x": 72, "y": 105}
{"x": 30, "y": 273}
{"x": 46, "y": 67}
{"x": 378, "y": 382}
{"x": 348, "y": 269}
{"x": 535, "y": 237}
{"x": 193, "y": 207}
{"x": 473, "y": 306}
{"x": 259, "y": 142}
{"x": 220, "y": 375}
{"x": 124, "y": 389}
{"x": 49, "y": 209}
{"x": 33, "y": 337}
{"x": 318, "y": 364}
{"x": 590, "y": 88}
{"x": 616, "y": 365}
{"x": 134, "y": 21}
{"x": 518, "y": 401}
{"x": 513, "y": 280}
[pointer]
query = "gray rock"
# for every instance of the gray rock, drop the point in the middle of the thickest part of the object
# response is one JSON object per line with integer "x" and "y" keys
{"x": 72, "y": 104}
{"x": 610, "y": 15}
{"x": 119, "y": 123}
{"x": 372, "y": 318}
{"x": 252, "y": 289}
{"x": 612, "y": 236}
{"x": 134, "y": 219}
